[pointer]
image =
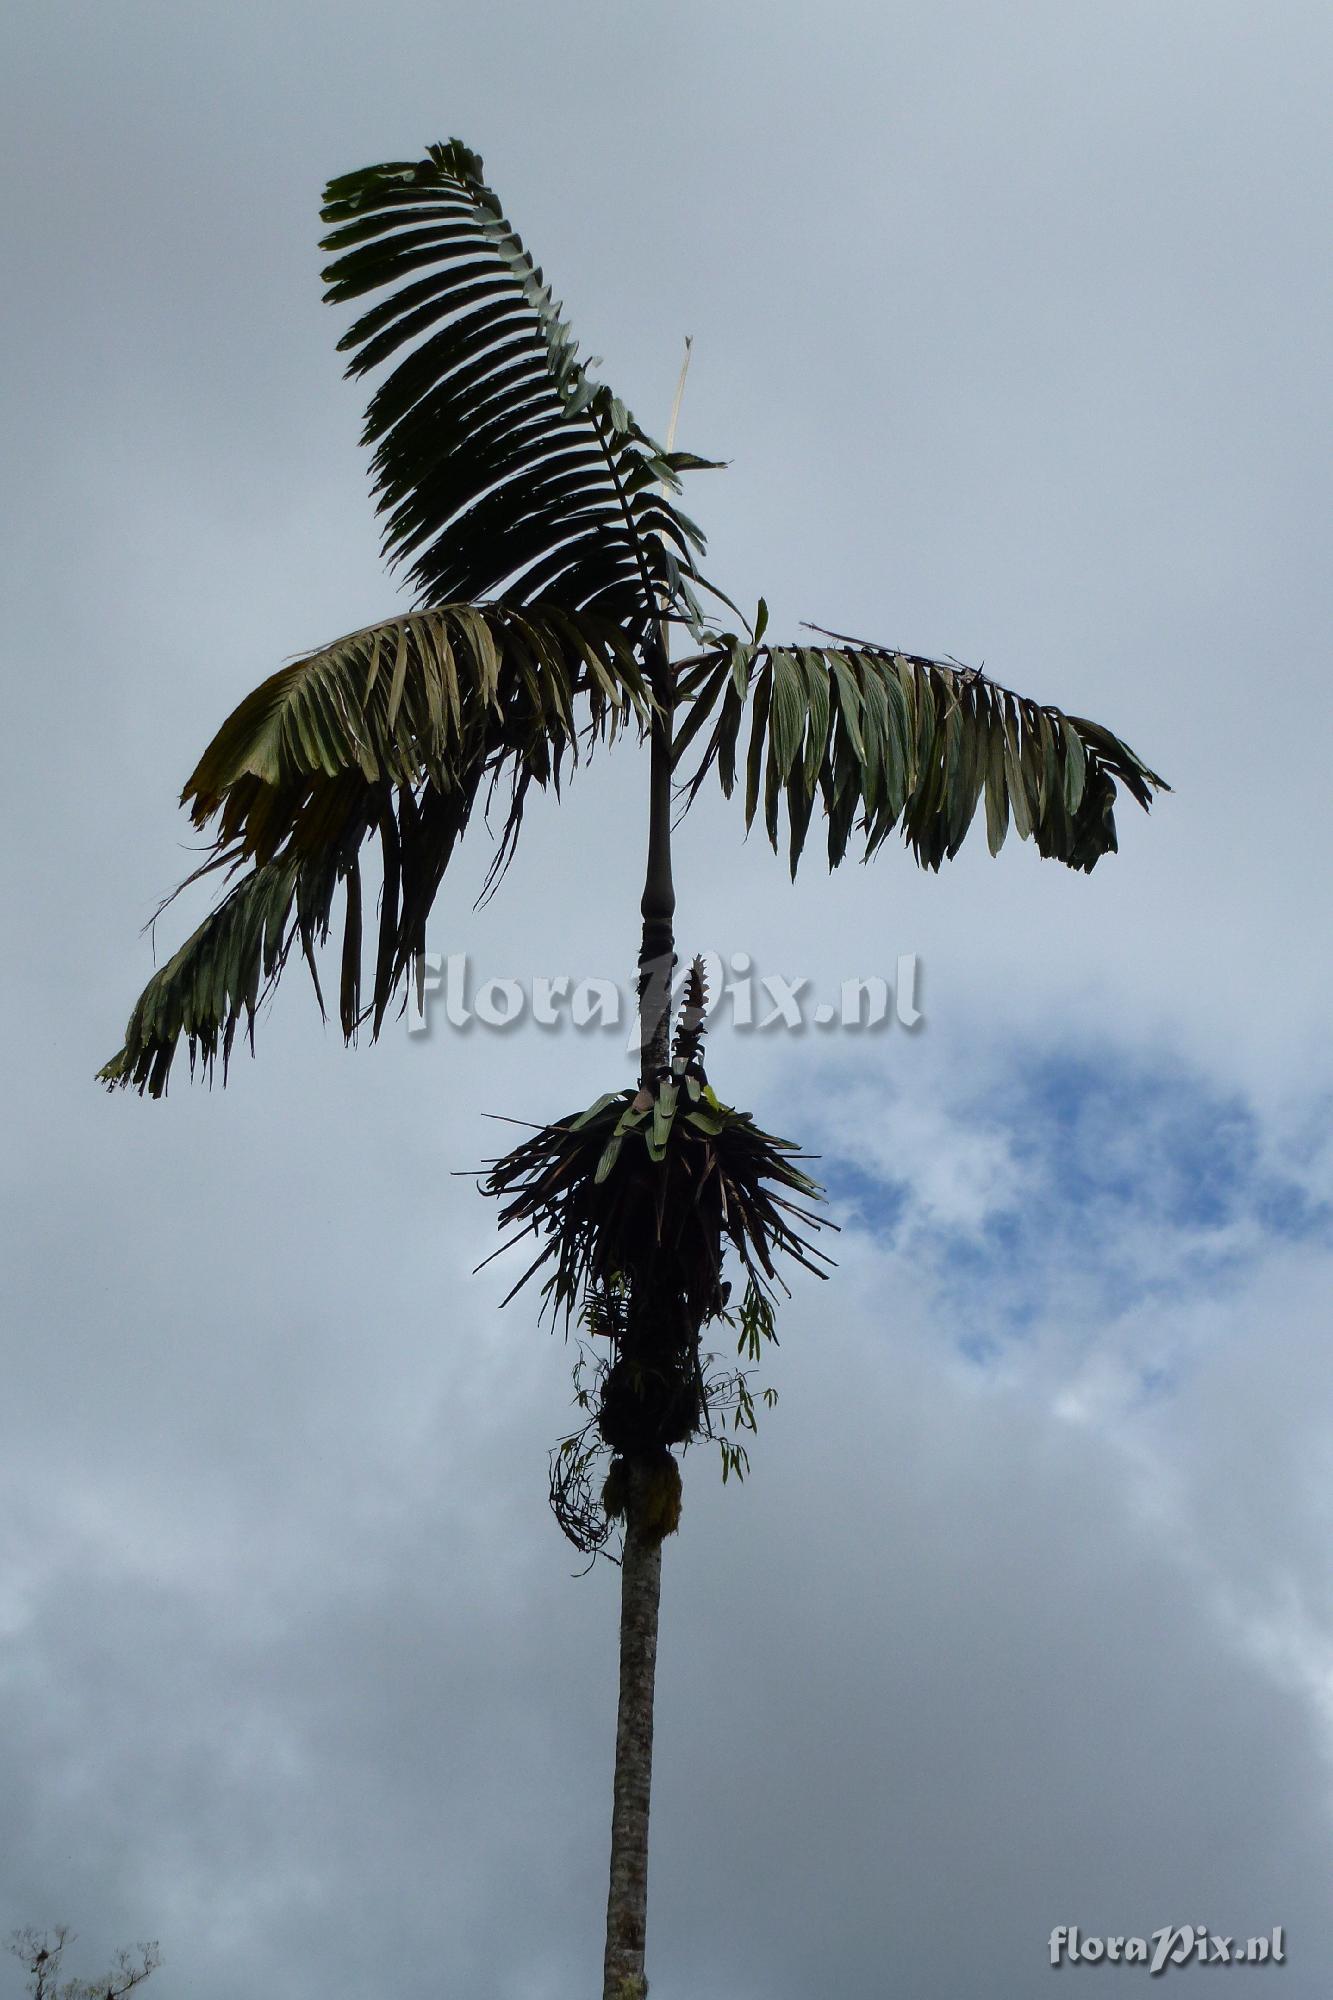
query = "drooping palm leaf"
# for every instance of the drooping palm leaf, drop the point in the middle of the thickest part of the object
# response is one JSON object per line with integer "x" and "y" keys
{"x": 887, "y": 739}
{"x": 422, "y": 700}
{"x": 226, "y": 968}
{"x": 502, "y": 468}
{"x": 390, "y": 733}
{"x": 216, "y": 980}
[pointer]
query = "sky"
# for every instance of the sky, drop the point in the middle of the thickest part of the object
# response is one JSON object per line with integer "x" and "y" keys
{"x": 1012, "y": 327}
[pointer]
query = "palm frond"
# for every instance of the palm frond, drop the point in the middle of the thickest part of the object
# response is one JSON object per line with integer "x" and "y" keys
{"x": 425, "y": 703}
{"x": 889, "y": 740}
{"x": 388, "y": 734}
{"x": 217, "y": 979}
{"x": 425, "y": 700}
{"x": 501, "y": 468}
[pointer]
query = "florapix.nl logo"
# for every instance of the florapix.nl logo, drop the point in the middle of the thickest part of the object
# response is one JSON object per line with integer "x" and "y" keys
{"x": 454, "y": 995}
{"x": 1168, "y": 1946}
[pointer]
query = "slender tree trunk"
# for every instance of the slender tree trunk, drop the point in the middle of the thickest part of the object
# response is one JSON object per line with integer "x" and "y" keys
{"x": 641, "y": 1560}
{"x": 627, "y": 1902}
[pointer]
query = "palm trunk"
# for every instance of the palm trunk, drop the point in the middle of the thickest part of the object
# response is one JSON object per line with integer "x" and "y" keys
{"x": 627, "y": 1902}
{"x": 641, "y": 1559}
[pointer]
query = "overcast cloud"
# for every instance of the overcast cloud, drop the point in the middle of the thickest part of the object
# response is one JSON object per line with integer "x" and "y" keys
{"x": 1013, "y": 324}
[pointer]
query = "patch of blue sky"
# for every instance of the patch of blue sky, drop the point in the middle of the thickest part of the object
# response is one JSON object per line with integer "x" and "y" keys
{"x": 1157, "y": 1384}
{"x": 1109, "y": 1134}
{"x": 1111, "y": 1137}
{"x": 859, "y": 1198}
{"x": 1133, "y": 1180}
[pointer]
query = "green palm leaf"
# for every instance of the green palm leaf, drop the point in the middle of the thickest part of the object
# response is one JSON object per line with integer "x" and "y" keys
{"x": 502, "y": 468}
{"x": 218, "y": 977}
{"x": 420, "y": 700}
{"x": 889, "y": 740}
{"x": 388, "y": 734}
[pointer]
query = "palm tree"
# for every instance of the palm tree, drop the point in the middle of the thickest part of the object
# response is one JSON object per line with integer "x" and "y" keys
{"x": 552, "y": 566}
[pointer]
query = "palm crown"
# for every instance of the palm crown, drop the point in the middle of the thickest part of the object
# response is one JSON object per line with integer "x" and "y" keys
{"x": 541, "y": 531}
